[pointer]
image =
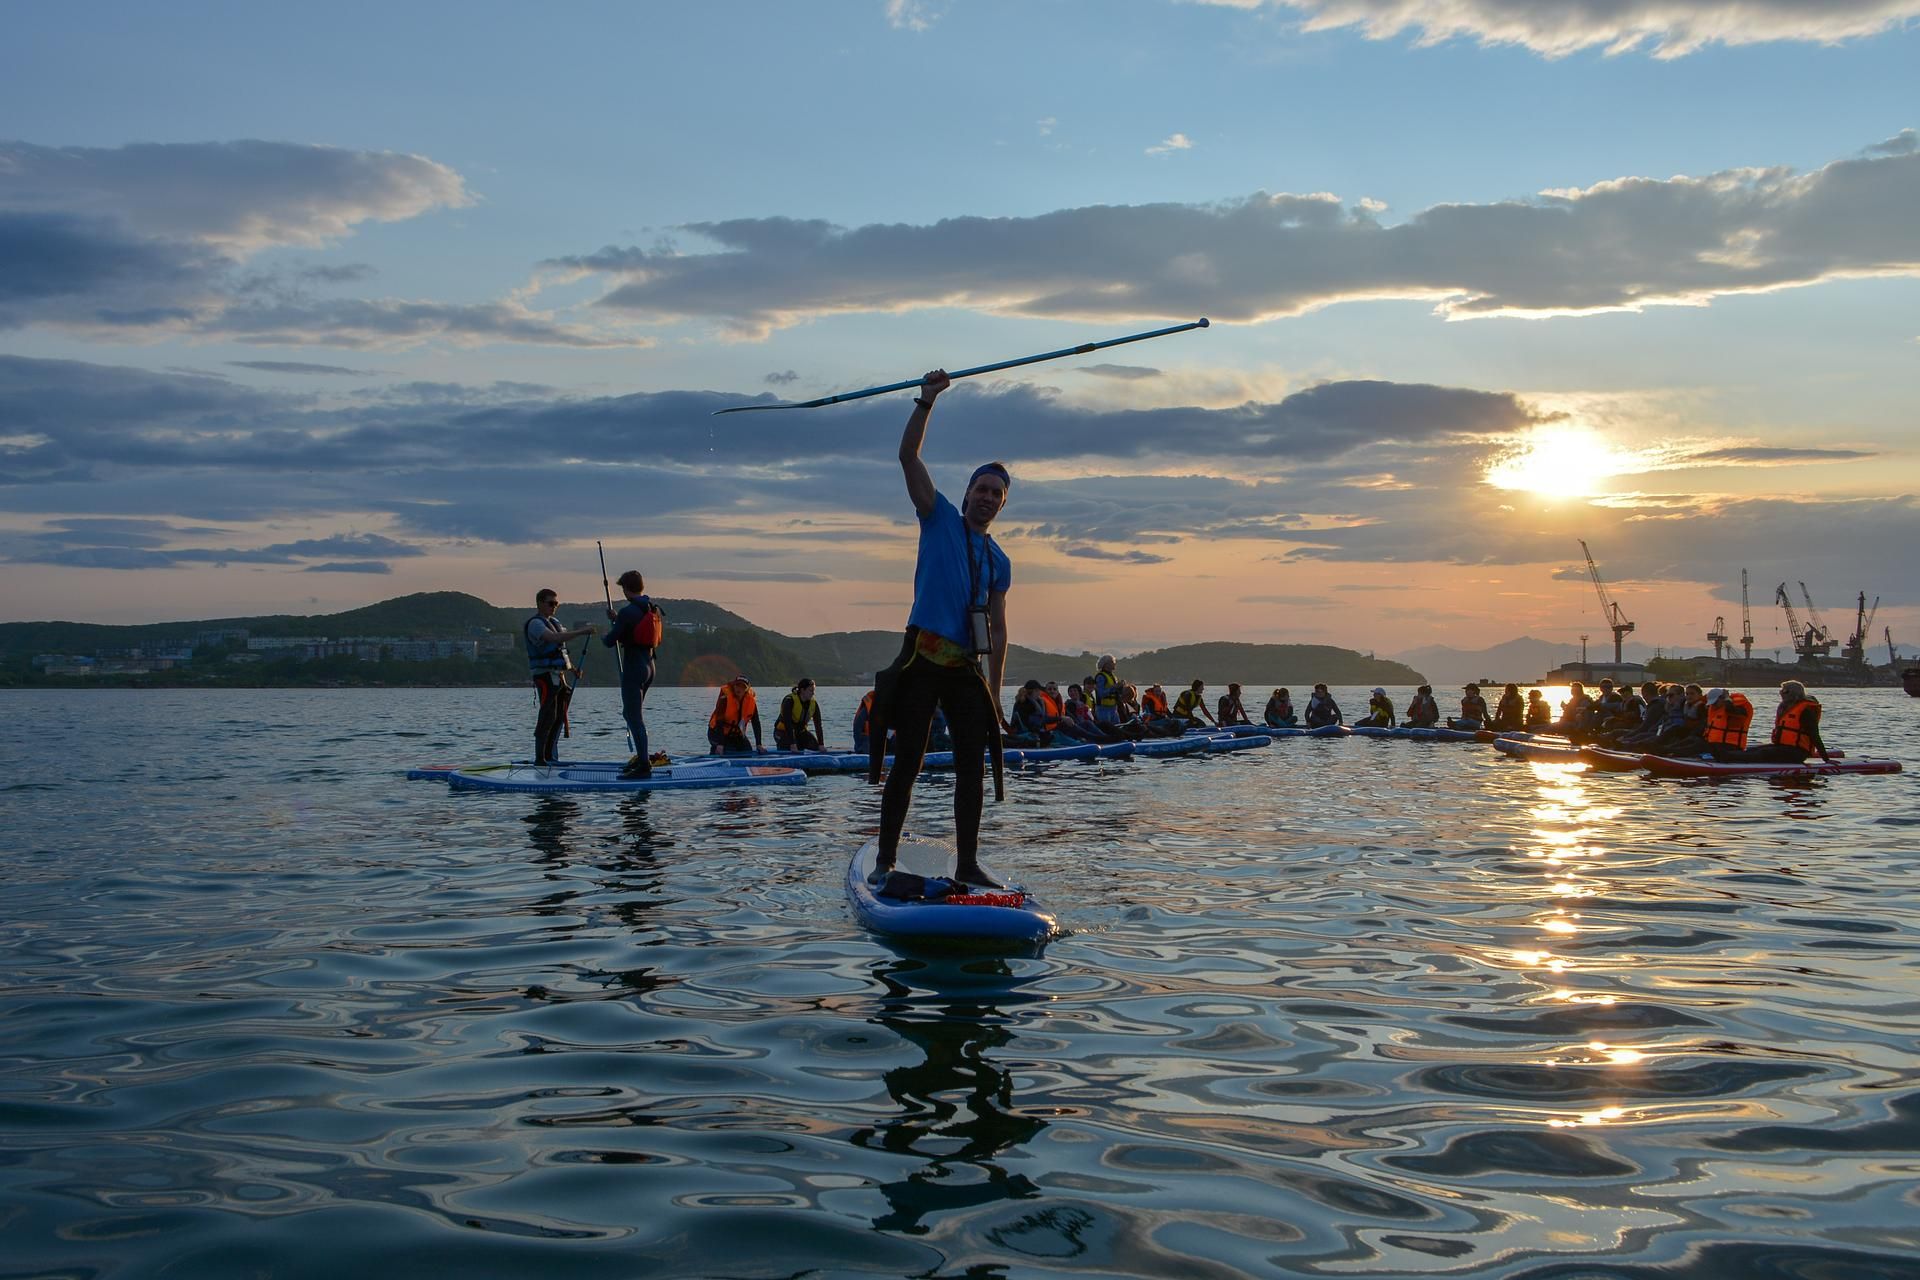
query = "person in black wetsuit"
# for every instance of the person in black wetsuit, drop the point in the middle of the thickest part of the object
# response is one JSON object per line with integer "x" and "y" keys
{"x": 1322, "y": 710}
{"x": 1512, "y": 712}
{"x": 637, "y": 631}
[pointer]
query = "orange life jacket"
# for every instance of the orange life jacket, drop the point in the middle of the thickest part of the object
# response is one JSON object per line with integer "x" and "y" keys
{"x": 731, "y": 712}
{"x": 1727, "y": 721}
{"x": 1790, "y": 728}
{"x": 1051, "y": 705}
{"x": 1154, "y": 704}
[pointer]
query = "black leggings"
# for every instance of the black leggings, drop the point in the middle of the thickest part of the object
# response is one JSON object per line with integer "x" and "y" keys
{"x": 917, "y": 686}
{"x": 553, "y": 718}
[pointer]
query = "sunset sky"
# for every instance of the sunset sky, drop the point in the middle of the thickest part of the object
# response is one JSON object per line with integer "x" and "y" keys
{"x": 304, "y": 308}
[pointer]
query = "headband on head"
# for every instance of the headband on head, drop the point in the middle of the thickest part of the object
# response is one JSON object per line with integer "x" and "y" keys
{"x": 990, "y": 469}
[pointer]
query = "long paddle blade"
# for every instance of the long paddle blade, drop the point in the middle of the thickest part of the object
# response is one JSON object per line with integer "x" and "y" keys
{"x": 958, "y": 374}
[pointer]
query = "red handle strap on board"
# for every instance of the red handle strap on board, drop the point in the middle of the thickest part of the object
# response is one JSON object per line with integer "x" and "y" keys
{"x": 985, "y": 899}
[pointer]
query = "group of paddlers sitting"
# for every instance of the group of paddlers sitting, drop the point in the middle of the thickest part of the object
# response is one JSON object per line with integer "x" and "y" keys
{"x": 1685, "y": 720}
{"x": 1670, "y": 720}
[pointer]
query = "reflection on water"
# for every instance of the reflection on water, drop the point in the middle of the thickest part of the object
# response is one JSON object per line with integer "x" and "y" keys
{"x": 1332, "y": 1008}
{"x": 956, "y": 1107}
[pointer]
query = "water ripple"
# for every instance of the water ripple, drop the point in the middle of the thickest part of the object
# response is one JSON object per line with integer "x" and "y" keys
{"x": 1330, "y": 1009}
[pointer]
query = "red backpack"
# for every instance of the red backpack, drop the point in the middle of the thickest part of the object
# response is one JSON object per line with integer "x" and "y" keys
{"x": 650, "y": 630}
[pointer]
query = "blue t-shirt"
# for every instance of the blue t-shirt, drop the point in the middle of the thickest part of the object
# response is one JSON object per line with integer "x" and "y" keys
{"x": 952, "y": 560}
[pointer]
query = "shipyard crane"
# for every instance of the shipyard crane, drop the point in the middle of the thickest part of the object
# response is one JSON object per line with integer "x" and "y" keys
{"x": 1746, "y": 620}
{"x": 1893, "y": 654}
{"x": 1819, "y": 623}
{"x": 1855, "y": 650}
{"x": 1718, "y": 638}
{"x": 1808, "y": 642}
{"x": 1615, "y": 619}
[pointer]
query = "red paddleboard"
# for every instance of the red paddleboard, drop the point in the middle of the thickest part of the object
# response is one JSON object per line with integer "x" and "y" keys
{"x": 1611, "y": 761}
{"x": 1666, "y": 767}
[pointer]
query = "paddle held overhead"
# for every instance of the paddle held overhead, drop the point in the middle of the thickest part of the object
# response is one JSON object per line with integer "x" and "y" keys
{"x": 1080, "y": 350}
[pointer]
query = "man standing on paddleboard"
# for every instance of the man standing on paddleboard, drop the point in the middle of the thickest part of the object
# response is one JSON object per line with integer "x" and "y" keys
{"x": 638, "y": 630}
{"x": 958, "y": 627}
{"x": 551, "y": 667}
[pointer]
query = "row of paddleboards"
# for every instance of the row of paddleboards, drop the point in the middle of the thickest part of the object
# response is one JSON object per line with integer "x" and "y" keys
{"x": 1602, "y": 759}
{"x": 785, "y": 768}
{"x": 1403, "y": 732}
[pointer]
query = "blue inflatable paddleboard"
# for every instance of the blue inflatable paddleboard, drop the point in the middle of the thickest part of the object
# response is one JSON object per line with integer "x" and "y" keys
{"x": 554, "y": 778}
{"x": 1025, "y": 926}
{"x": 1226, "y": 742}
{"x": 1185, "y": 746}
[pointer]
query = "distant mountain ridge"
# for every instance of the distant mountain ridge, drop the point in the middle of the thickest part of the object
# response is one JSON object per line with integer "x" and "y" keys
{"x": 733, "y": 643}
{"x": 1522, "y": 659}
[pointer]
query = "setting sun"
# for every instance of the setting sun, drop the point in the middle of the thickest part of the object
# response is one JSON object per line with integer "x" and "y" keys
{"x": 1558, "y": 462}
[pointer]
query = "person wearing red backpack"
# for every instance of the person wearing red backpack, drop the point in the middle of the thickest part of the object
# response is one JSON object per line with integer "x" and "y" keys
{"x": 638, "y": 629}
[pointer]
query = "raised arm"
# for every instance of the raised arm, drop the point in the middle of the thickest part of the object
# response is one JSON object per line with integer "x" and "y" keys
{"x": 919, "y": 482}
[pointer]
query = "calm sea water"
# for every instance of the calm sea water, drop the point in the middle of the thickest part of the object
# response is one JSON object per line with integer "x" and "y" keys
{"x": 1343, "y": 1008}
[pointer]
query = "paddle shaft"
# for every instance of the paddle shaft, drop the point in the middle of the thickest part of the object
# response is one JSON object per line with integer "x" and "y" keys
{"x": 618, "y": 661}
{"x": 956, "y": 375}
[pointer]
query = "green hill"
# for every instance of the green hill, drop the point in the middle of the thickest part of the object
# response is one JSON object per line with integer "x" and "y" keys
{"x": 1220, "y": 661}
{"x": 687, "y": 657}
{"x": 853, "y": 653}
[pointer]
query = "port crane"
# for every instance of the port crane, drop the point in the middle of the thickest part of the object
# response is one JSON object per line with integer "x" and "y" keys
{"x": 1893, "y": 654}
{"x": 1809, "y": 642}
{"x": 1615, "y": 619}
{"x": 1718, "y": 638}
{"x": 1855, "y": 649}
{"x": 1819, "y": 623}
{"x": 1746, "y": 619}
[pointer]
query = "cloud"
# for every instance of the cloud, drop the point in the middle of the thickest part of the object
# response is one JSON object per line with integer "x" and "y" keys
{"x": 350, "y": 566}
{"x": 152, "y": 240}
{"x": 1123, "y": 372}
{"x": 781, "y": 379}
{"x": 345, "y": 273}
{"x": 1766, "y": 456}
{"x": 448, "y": 461}
{"x": 235, "y": 196}
{"x": 750, "y": 575}
{"x": 300, "y": 366}
{"x": 1117, "y": 557}
{"x": 1171, "y": 143}
{"x": 128, "y": 468}
{"x": 911, "y": 15}
{"x": 118, "y": 543}
{"x": 293, "y": 320}
{"x": 356, "y": 545}
{"x": 1556, "y": 28}
{"x": 1296, "y": 602}
{"x": 1622, "y": 244}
